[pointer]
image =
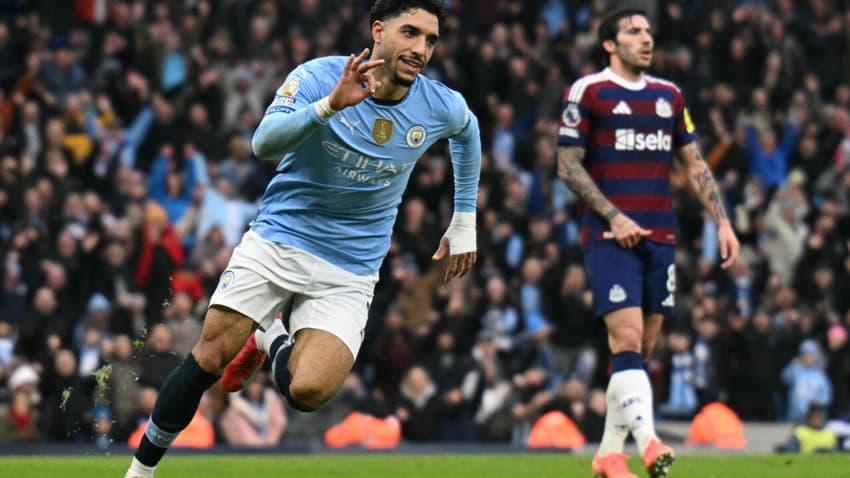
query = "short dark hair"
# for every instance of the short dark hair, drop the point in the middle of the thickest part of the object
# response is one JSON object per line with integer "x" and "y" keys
{"x": 384, "y": 9}
{"x": 610, "y": 25}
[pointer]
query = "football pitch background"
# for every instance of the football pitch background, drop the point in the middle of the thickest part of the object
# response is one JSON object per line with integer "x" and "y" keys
{"x": 413, "y": 466}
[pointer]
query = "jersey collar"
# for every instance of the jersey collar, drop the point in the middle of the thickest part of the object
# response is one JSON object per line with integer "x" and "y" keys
{"x": 398, "y": 101}
{"x": 629, "y": 85}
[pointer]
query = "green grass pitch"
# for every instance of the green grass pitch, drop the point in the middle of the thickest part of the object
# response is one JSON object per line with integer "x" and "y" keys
{"x": 412, "y": 466}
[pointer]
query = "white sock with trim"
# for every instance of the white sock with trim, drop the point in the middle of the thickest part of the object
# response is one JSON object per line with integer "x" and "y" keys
{"x": 265, "y": 339}
{"x": 634, "y": 405}
{"x": 139, "y": 470}
{"x": 616, "y": 430}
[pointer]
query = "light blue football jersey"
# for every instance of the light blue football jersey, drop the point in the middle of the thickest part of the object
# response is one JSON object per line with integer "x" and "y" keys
{"x": 337, "y": 190}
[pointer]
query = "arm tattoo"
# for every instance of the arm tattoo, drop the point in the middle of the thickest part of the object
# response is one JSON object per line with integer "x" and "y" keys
{"x": 581, "y": 184}
{"x": 702, "y": 182}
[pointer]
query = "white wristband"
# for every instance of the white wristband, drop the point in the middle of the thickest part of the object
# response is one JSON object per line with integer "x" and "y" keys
{"x": 323, "y": 109}
{"x": 461, "y": 233}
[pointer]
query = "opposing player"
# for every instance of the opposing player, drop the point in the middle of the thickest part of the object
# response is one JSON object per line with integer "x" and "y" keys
{"x": 350, "y": 131}
{"x": 625, "y": 125}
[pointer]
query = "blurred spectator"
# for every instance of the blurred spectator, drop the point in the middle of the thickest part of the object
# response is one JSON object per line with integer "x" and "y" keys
{"x": 838, "y": 370}
{"x": 706, "y": 360}
{"x": 157, "y": 359}
{"x": 123, "y": 387}
{"x": 255, "y": 416}
{"x": 160, "y": 253}
{"x": 392, "y": 354}
{"x": 763, "y": 370}
{"x": 682, "y": 397}
{"x": 19, "y": 420}
{"x": 573, "y": 332}
{"x": 494, "y": 418}
{"x": 807, "y": 383}
{"x": 419, "y": 406}
{"x": 7, "y": 346}
{"x": 185, "y": 326}
{"x": 459, "y": 383}
{"x": 67, "y": 401}
{"x": 811, "y": 436}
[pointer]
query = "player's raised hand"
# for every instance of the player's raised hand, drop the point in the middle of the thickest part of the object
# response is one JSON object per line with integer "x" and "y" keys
{"x": 350, "y": 90}
{"x": 459, "y": 264}
{"x": 729, "y": 245}
{"x": 627, "y": 232}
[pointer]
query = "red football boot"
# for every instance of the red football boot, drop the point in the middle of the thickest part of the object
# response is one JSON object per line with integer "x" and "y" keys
{"x": 243, "y": 368}
{"x": 611, "y": 466}
{"x": 658, "y": 457}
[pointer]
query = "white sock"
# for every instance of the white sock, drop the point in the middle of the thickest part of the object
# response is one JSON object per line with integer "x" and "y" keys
{"x": 265, "y": 339}
{"x": 139, "y": 470}
{"x": 616, "y": 429}
{"x": 634, "y": 404}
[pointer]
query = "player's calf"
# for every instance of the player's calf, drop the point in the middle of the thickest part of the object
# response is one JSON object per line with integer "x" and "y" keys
{"x": 310, "y": 369}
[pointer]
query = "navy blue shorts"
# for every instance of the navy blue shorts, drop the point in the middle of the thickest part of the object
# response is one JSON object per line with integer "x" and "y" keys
{"x": 644, "y": 276}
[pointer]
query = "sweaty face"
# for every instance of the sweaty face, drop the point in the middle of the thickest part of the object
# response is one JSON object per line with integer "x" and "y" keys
{"x": 406, "y": 43}
{"x": 634, "y": 43}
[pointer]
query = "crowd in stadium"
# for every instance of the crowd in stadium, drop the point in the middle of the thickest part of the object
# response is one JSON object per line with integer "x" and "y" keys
{"x": 127, "y": 176}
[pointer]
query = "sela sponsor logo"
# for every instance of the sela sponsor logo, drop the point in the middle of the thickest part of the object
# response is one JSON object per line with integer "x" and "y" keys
{"x": 617, "y": 294}
{"x": 629, "y": 140}
{"x": 622, "y": 108}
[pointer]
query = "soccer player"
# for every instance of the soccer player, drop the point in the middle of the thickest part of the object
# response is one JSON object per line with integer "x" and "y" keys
{"x": 625, "y": 125}
{"x": 349, "y": 131}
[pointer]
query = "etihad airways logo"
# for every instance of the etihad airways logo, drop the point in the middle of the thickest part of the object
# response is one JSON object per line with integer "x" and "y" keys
{"x": 363, "y": 169}
{"x": 628, "y": 140}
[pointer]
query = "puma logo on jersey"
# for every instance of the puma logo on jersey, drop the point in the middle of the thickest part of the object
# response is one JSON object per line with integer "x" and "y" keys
{"x": 351, "y": 126}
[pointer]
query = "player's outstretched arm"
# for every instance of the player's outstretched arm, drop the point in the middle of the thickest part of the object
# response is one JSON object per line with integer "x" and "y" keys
{"x": 627, "y": 232}
{"x": 296, "y": 114}
{"x": 701, "y": 183}
{"x": 459, "y": 241}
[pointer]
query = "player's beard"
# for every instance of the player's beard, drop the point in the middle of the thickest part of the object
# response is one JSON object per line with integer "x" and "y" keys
{"x": 635, "y": 64}
{"x": 398, "y": 79}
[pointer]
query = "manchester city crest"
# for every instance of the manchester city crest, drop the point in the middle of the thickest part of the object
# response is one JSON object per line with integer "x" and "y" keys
{"x": 416, "y": 136}
{"x": 382, "y": 130}
{"x": 227, "y": 278}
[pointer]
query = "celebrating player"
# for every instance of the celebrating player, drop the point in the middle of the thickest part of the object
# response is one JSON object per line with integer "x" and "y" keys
{"x": 625, "y": 125}
{"x": 349, "y": 131}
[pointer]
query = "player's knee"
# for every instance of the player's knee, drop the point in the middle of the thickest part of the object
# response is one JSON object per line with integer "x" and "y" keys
{"x": 209, "y": 357}
{"x": 308, "y": 396}
{"x": 625, "y": 339}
